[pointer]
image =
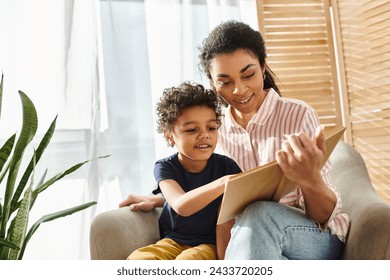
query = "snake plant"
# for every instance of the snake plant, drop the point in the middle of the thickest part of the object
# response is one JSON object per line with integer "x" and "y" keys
{"x": 19, "y": 196}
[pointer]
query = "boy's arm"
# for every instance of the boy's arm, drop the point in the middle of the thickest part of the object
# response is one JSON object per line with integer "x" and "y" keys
{"x": 188, "y": 203}
{"x": 223, "y": 237}
{"x": 142, "y": 202}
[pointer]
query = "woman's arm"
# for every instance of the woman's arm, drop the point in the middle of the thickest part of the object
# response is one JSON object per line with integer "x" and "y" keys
{"x": 188, "y": 203}
{"x": 301, "y": 161}
{"x": 223, "y": 237}
{"x": 142, "y": 203}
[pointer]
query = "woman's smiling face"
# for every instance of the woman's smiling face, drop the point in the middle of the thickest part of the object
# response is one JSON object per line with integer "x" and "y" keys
{"x": 238, "y": 78}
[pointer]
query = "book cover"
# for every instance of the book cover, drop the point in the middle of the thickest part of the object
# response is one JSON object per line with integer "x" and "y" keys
{"x": 266, "y": 182}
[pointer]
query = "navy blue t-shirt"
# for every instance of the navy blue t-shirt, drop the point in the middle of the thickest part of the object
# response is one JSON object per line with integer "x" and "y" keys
{"x": 198, "y": 228}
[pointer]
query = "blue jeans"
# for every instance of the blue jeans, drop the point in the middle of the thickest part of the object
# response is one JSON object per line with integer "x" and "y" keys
{"x": 273, "y": 231}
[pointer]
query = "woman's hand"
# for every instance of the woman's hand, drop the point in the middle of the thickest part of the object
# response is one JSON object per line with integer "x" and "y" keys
{"x": 301, "y": 158}
{"x": 142, "y": 203}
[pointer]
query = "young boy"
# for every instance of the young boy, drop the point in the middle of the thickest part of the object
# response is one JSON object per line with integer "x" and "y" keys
{"x": 192, "y": 180}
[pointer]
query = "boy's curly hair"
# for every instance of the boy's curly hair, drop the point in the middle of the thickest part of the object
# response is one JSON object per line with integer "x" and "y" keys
{"x": 175, "y": 99}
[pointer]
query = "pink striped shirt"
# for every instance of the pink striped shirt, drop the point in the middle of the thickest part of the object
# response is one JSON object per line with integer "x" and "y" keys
{"x": 276, "y": 119}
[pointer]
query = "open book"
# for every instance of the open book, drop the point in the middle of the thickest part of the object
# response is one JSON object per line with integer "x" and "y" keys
{"x": 266, "y": 182}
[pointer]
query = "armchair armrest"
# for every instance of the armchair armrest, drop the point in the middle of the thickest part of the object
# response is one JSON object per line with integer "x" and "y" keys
{"x": 369, "y": 234}
{"x": 115, "y": 234}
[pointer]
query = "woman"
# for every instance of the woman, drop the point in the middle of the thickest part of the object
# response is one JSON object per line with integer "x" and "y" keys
{"x": 260, "y": 126}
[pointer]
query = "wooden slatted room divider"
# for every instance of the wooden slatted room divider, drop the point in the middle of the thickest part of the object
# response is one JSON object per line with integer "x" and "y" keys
{"x": 303, "y": 40}
{"x": 301, "y": 53}
{"x": 365, "y": 39}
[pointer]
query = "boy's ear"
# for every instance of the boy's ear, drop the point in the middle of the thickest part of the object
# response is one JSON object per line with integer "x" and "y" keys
{"x": 169, "y": 138}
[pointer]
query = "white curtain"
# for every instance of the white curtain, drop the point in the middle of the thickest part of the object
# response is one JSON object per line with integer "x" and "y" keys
{"x": 99, "y": 65}
{"x": 175, "y": 30}
{"x": 51, "y": 50}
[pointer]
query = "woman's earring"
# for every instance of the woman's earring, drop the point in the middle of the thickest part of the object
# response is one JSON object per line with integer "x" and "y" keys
{"x": 264, "y": 76}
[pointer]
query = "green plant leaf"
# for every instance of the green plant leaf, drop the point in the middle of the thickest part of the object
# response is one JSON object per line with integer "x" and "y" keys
{"x": 39, "y": 183}
{"x": 41, "y": 148}
{"x": 51, "y": 217}
{"x": 29, "y": 128}
{"x": 8, "y": 244}
{"x": 57, "y": 177}
{"x": 17, "y": 235}
{"x": 18, "y": 226}
{"x": 5, "y": 151}
{"x": 42, "y": 178}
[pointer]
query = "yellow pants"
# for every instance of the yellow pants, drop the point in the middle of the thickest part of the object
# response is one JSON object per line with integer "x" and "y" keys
{"x": 168, "y": 249}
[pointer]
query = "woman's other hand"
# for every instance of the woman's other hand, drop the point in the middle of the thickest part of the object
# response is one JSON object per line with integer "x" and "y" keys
{"x": 142, "y": 203}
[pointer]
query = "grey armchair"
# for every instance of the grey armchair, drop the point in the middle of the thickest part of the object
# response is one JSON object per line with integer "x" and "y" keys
{"x": 116, "y": 233}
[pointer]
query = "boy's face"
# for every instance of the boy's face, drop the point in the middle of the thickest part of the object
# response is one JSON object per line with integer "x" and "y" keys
{"x": 195, "y": 135}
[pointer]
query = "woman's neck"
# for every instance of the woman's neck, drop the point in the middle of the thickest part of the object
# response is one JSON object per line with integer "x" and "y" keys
{"x": 240, "y": 118}
{"x": 244, "y": 118}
